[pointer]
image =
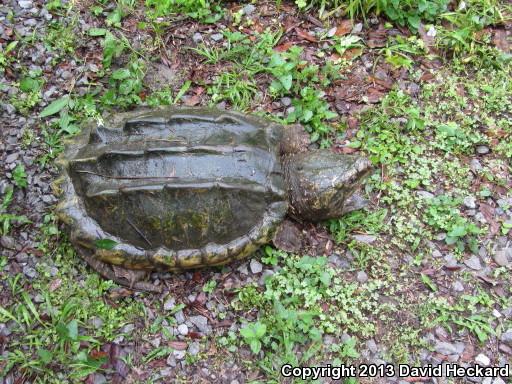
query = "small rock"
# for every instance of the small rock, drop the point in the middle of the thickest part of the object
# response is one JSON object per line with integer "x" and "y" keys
{"x": 217, "y": 36}
{"x": 357, "y": 28}
{"x": 441, "y": 236}
{"x": 128, "y": 328}
{"x": 197, "y": 38}
{"x": 362, "y": 277}
{"x": 194, "y": 348}
{"x": 286, "y": 101}
{"x": 475, "y": 165}
{"x": 502, "y": 257}
{"x": 474, "y": 263}
{"x": 201, "y": 322}
{"x": 243, "y": 269}
{"x": 38, "y": 298}
{"x": 7, "y": 242}
{"x": 66, "y": 75}
{"x": 450, "y": 260}
{"x": 457, "y": 286}
{"x": 255, "y": 266}
{"x": 498, "y": 380}
{"x": 481, "y": 359}
{"x": 425, "y": 194}
{"x": 156, "y": 342}
{"x": 99, "y": 378}
{"x": 249, "y": 9}
{"x": 436, "y": 253}
{"x": 11, "y": 158}
{"x": 25, "y": 4}
{"x": 507, "y": 337}
{"x": 96, "y": 322}
{"x": 170, "y": 304}
{"x": 171, "y": 360}
{"x": 29, "y": 272}
{"x": 183, "y": 329}
{"x": 470, "y": 202}
{"x": 180, "y": 317}
{"x": 179, "y": 355}
{"x": 367, "y": 239}
{"x": 482, "y": 149}
{"x": 445, "y": 348}
{"x": 166, "y": 372}
{"x": 372, "y": 346}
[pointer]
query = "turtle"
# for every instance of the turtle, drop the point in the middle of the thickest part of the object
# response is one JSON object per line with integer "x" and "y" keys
{"x": 172, "y": 189}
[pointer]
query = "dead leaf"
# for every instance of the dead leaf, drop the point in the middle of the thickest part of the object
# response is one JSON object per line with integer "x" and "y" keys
{"x": 305, "y": 35}
{"x": 344, "y": 28}
{"x": 374, "y": 95}
{"x": 500, "y": 40}
{"x": 201, "y": 298}
{"x": 55, "y": 284}
{"x": 352, "y": 53}
{"x": 284, "y": 47}
{"x": 192, "y": 100}
{"x": 488, "y": 213}
{"x": 348, "y": 150}
{"x": 178, "y": 345}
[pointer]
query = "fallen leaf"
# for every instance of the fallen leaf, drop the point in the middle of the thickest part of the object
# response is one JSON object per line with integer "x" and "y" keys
{"x": 500, "y": 40}
{"x": 305, "y": 35}
{"x": 55, "y": 284}
{"x": 178, "y": 345}
{"x": 352, "y": 53}
{"x": 201, "y": 298}
{"x": 374, "y": 95}
{"x": 344, "y": 28}
{"x": 95, "y": 354}
{"x": 192, "y": 100}
{"x": 348, "y": 150}
{"x": 284, "y": 47}
{"x": 488, "y": 213}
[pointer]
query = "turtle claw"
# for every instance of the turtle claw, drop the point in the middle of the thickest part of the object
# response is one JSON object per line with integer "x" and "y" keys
{"x": 128, "y": 278}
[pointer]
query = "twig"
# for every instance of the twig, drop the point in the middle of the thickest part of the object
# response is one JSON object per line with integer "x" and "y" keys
{"x": 139, "y": 232}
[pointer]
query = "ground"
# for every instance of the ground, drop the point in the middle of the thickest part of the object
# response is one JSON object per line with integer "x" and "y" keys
{"x": 421, "y": 276}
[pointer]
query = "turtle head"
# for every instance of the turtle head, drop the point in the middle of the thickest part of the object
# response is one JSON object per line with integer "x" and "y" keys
{"x": 321, "y": 183}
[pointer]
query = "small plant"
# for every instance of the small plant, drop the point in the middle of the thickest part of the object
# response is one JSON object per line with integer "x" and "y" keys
{"x": 19, "y": 176}
{"x": 6, "y": 219}
{"x": 252, "y": 334}
{"x": 206, "y": 11}
{"x": 442, "y": 214}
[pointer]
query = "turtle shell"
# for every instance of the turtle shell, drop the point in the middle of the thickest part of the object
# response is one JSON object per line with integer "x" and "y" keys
{"x": 173, "y": 189}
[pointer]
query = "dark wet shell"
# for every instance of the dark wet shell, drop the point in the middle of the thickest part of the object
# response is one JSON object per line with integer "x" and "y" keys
{"x": 174, "y": 188}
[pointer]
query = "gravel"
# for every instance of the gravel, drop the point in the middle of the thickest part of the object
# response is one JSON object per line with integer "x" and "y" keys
{"x": 482, "y": 149}
{"x": 255, "y": 266}
{"x": 482, "y": 359}
{"x": 201, "y": 322}
{"x": 183, "y": 329}
{"x": 366, "y": 239}
{"x": 249, "y": 9}
{"x": 180, "y": 317}
{"x": 194, "y": 348}
{"x": 474, "y": 263}
{"x": 470, "y": 202}
{"x": 503, "y": 257}
{"x": 362, "y": 277}
{"x": 445, "y": 348}
{"x": 7, "y": 242}
{"x": 217, "y": 37}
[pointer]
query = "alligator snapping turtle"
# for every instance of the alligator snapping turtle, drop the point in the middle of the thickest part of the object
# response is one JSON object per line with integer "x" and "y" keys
{"x": 174, "y": 189}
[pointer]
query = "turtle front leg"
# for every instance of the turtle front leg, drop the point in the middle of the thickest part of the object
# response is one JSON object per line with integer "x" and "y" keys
{"x": 122, "y": 276}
